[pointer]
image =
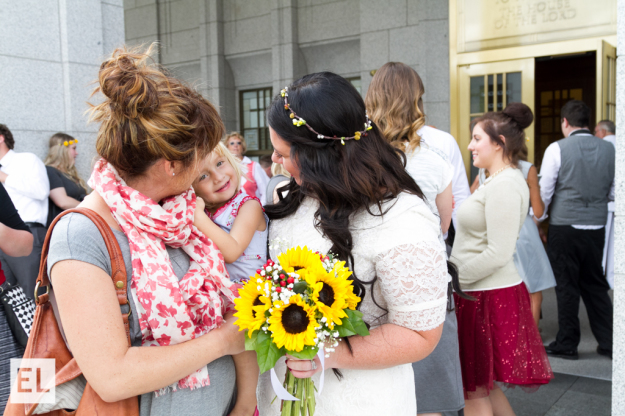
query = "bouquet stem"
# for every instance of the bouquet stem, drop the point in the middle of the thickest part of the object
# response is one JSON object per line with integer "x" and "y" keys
{"x": 304, "y": 390}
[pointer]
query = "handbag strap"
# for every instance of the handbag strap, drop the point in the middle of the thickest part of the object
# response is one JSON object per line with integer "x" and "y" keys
{"x": 118, "y": 267}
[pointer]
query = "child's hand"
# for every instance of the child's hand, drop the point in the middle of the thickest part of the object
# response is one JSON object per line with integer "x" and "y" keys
{"x": 199, "y": 210}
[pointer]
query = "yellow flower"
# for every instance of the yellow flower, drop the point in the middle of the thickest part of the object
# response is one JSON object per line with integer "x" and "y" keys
{"x": 331, "y": 292}
{"x": 292, "y": 325}
{"x": 251, "y": 305}
{"x": 344, "y": 273}
{"x": 300, "y": 260}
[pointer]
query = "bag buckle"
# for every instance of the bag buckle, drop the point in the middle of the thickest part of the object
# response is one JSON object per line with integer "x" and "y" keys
{"x": 37, "y": 289}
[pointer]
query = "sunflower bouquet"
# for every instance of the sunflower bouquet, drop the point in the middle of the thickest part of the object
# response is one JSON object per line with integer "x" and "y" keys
{"x": 301, "y": 305}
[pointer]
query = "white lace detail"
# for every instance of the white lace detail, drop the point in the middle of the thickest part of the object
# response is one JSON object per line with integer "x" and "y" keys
{"x": 414, "y": 283}
{"x": 402, "y": 249}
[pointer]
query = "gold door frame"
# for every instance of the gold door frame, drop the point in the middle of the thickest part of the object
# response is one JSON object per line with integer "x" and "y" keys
{"x": 466, "y": 72}
{"x": 601, "y": 45}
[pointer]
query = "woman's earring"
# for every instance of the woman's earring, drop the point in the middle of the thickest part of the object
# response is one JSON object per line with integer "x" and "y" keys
{"x": 173, "y": 174}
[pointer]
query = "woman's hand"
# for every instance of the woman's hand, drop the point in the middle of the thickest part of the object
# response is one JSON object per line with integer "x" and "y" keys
{"x": 304, "y": 368}
{"x": 232, "y": 340}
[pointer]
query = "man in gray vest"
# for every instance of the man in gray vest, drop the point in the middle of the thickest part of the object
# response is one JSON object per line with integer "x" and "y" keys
{"x": 577, "y": 180}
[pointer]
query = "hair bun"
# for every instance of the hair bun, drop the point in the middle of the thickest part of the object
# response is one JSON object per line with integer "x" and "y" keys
{"x": 127, "y": 81}
{"x": 520, "y": 113}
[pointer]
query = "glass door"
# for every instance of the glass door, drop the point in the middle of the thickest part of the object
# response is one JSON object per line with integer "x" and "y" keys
{"x": 490, "y": 87}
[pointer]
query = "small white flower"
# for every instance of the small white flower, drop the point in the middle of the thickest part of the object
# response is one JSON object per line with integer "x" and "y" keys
{"x": 268, "y": 268}
{"x": 262, "y": 272}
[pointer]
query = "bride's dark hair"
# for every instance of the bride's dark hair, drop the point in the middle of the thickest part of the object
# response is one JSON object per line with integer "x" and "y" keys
{"x": 345, "y": 179}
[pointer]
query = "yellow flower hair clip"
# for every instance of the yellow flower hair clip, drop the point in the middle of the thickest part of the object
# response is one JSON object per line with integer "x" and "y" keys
{"x": 69, "y": 143}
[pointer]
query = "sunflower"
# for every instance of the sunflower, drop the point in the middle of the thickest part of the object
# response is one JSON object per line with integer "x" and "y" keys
{"x": 293, "y": 324}
{"x": 330, "y": 294}
{"x": 299, "y": 259}
{"x": 251, "y": 305}
{"x": 343, "y": 272}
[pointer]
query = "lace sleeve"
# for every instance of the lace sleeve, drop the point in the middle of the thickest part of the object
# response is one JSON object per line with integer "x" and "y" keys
{"x": 413, "y": 279}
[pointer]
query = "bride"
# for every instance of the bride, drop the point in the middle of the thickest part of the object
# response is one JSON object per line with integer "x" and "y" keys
{"x": 350, "y": 195}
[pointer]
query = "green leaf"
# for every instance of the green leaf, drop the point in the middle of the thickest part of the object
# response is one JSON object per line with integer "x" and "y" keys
{"x": 352, "y": 325}
{"x": 300, "y": 287}
{"x": 308, "y": 353}
{"x": 267, "y": 353}
{"x": 355, "y": 318}
{"x": 250, "y": 343}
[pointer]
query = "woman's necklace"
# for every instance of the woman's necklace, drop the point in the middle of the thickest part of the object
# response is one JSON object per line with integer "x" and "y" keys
{"x": 490, "y": 178}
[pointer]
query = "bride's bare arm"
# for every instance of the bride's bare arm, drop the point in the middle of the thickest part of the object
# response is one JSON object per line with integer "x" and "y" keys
{"x": 387, "y": 346}
{"x": 95, "y": 332}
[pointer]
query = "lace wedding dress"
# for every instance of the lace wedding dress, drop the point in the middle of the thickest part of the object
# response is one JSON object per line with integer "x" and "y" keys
{"x": 402, "y": 249}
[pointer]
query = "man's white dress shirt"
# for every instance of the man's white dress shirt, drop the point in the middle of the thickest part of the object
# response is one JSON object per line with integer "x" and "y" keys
{"x": 27, "y": 184}
{"x": 552, "y": 160}
{"x": 448, "y": 145}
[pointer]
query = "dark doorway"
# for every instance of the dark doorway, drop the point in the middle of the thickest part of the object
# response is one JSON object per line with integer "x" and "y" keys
{"x": 558, "y": 80}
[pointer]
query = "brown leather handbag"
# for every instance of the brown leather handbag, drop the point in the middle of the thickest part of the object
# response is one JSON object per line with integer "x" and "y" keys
{"x": 46, "y": 341}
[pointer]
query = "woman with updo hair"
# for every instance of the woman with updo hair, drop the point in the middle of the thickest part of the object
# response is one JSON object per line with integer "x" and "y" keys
{"x": 67, "y": 188}
{"x": 499, "y": 340}
{"x": 154, "y": 130}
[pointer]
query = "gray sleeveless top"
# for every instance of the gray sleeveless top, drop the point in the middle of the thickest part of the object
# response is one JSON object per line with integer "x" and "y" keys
{"x": 75, "y": 237}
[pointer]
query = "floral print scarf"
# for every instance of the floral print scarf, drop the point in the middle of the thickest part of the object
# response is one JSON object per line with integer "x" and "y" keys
{"x": 170, "y": 311}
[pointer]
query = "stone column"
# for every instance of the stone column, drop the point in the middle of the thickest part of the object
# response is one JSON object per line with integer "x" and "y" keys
{"x": 47, "y": 67}
{"x": 218, "y": 82}
{"x": 288, "y": 63}
{"x": 618, "y": 365}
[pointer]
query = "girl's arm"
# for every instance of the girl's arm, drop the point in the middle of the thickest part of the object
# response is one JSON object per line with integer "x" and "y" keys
{"x": 538, "y": 206}
{"x": 249, "y": 220}
{"x": 444, "y": 204}
{"x": 95, "y": 332}
{"x": 62, "y": 200}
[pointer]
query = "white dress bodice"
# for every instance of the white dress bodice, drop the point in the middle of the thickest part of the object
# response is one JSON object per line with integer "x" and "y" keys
{"x": 401, "y": 248}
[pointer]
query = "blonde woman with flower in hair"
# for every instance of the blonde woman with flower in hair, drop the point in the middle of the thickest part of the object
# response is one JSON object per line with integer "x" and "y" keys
{"x": 394, "y": 102}
{"x": 153, "y": 132}
{"x": 67, "y": 188}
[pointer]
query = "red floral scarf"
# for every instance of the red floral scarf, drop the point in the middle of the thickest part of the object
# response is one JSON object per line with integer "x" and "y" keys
{"x": 170, "y": 311}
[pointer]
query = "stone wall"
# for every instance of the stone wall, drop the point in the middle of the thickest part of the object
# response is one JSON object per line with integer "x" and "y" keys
{"x": 618, "y": 365}
{"x": 49, "y": 54}
{"x": 225, "y": 46}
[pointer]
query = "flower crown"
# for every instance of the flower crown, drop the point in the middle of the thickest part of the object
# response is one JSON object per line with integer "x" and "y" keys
{"x": 69, "y": 143}
{"x": 298, "y": 121}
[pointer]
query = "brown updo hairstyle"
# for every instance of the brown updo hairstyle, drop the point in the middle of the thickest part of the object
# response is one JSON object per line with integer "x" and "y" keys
{"x": 147, "y": 115}
{"x": 509, "y": 123}
{"x": 394, "y": 102}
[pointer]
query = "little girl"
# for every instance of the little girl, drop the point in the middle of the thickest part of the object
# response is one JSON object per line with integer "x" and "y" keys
{"x": 236, "y": 223}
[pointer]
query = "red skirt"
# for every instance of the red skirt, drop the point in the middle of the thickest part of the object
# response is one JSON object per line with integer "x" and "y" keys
{"x": 499, "y": 342}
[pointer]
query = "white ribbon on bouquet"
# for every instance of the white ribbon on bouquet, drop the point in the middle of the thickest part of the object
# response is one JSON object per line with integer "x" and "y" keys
{"x": 281, "y": 392}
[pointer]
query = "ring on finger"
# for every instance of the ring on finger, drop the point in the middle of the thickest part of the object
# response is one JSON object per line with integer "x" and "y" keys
{"x": 313, "y": 365}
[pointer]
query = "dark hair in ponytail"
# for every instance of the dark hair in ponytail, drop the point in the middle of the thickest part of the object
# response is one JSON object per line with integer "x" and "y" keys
{"x": 509, "y": 123}
{"x": 345, "y": 179}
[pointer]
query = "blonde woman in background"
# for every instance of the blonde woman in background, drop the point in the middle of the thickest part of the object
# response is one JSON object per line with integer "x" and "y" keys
{"x": 394, "y": 102}
{"x": 254, "y": 179}
{"x": 67, "y": 188}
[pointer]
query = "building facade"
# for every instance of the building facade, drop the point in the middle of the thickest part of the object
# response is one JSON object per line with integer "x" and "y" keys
{"x": 50, "y": 53}
{"x": 241, "y": 53}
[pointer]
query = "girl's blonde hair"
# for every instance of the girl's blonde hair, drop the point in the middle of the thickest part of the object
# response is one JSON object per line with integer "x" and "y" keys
{"x": 394, "y": 102}
{"x": 58, "y": 157}
{"x": 278, "y": 169}
{"x": 238, "y": 136}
